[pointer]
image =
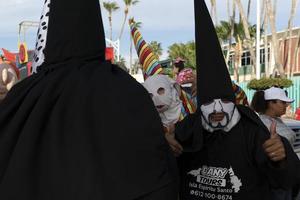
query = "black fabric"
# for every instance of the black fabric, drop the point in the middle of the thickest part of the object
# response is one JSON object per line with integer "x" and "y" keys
{"x": 82, "y": 130}
{"x": 75, "y": 30}
{"x": 189, "y": 133}
{"x": 240, "y": 150}
{"x": 213, "y": 80}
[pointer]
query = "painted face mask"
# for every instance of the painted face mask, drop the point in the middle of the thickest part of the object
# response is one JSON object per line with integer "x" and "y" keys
{"x": 165, "y": 97}
{"x": 221, "y": 107}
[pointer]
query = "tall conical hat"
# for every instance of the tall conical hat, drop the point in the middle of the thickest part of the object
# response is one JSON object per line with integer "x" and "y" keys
{"x": 213, "y": 80}
{"x": 147, "y": 59}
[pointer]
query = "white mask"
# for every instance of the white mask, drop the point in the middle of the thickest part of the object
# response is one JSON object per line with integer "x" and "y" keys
{"x": 165, "y": 96}
{"x": 231, "y": 115}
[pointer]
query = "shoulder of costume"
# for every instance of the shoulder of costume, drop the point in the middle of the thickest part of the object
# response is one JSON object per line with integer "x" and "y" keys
{"x": 249, "y": 114}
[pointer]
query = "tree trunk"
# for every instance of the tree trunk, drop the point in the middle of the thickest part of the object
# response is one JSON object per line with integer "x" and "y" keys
{"x": 232, "y": 21}
{"x": 296, "y": 52}
{"x": 247, "y": 34}
{"x": 238, "y": 54}
{"x": 290, "y": 27}
{"x": 213, "y": 11}
{"x": 110, "y": 25}
{"x": 228, "y": 9}
{"x": 248, "y": 9}
{"x": 266, "y": 42}
{"x": 130, "y": 57}
{"x": 124, "y": 22}
{"x": 278, "y": 65}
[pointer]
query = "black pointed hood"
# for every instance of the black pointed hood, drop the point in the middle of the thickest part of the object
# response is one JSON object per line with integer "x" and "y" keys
{"x": 213, "y": 80}
{"x": 65, "y": 33}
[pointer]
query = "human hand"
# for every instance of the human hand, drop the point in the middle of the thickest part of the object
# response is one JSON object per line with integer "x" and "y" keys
{"x": 173, "y": 143}
{"x": 274, "y": 147}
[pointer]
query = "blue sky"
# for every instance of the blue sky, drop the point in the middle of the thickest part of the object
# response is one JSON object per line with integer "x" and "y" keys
{"x": 166, "y": 21}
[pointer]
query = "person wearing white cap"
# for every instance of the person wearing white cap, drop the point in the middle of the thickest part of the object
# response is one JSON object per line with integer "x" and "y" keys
{"x": 271, "y": 104}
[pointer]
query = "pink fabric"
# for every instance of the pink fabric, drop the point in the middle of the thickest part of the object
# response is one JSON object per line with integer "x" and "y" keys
{"x": 183, "y": 75}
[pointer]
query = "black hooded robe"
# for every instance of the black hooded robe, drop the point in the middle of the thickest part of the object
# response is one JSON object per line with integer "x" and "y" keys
{"x": 231, "y": 165}
{"x": 81, "y": 128}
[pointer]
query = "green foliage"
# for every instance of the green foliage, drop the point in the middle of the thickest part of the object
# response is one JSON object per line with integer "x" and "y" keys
{"x": 224, "y": 31}
{"x": 265, "y": 83}
{"x": 169, "y": 72}
{"x": 110, "y": 6}
{"x": 156, "y": 48}
{"x": 186, "y": 51}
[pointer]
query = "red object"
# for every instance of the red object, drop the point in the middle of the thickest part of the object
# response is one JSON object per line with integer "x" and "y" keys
{"x": 22, "y": 54}
{"x": 109, "y": 54}
{"x": 11, "y": 57}
{"x": 297, "y": 114}
{"x": 29, "y": 65}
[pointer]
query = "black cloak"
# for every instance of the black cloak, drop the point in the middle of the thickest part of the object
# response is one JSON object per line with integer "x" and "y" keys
{"x": 81, "y": 128}
{"x": 226, "y": 165}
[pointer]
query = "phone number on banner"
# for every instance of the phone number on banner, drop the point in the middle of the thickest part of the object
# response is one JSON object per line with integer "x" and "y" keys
{"x": 210, "y": 195}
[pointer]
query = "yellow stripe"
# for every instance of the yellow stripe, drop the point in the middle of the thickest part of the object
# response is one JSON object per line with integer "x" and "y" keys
{"x": 142, "y": 49}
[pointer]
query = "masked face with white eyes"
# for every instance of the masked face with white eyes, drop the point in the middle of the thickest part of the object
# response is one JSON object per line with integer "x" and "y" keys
{"x": 165, "y": 95}
{"x": 219, "y": 114}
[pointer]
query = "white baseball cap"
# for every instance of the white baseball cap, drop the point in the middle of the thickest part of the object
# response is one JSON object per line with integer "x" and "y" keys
{"x": 275, "y": 93}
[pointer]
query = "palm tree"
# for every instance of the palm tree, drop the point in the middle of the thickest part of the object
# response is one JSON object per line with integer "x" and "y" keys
{"x": 247, "y": 34}
{"x": 186, "y": 51}
{"x": 128, "y": 4}
{"x": 266, "y": 41}
{"x": 138, "y": 25}
{"x": 110, "y": 7}
{"x": 296, "y": 51}
{"x": 271, "y": 18}
{"x": 156, "y": 48}
{"x": 213, "y": 11}
{"x": 290, "y": 26}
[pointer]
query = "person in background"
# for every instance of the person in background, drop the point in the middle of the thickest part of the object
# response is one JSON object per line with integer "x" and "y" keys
{"x": 271, "y": 104}
{"x": 185, "y": 77}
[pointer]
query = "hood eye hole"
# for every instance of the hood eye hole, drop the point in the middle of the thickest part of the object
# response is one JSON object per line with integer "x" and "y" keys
{"x": 161, "y": 91}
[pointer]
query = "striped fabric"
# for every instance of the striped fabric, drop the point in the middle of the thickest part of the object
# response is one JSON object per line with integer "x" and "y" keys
{"x": 240, "y": 95}
{"x": 188, "y": 104}
{"x": 147, "y": 59}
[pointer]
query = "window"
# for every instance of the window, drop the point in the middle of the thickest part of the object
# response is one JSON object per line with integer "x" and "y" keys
{"x": 262, "y": 56}
{"x": 246, "y": 59}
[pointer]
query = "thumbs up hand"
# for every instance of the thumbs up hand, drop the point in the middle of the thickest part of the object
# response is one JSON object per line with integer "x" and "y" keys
{"x": 274, "y": 147}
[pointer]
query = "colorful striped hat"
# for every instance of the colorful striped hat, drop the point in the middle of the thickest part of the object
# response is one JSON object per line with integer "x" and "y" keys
{"x": 147, "y": 59}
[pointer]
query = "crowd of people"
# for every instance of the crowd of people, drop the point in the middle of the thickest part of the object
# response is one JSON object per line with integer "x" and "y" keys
{"x": 64, "y": 136}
